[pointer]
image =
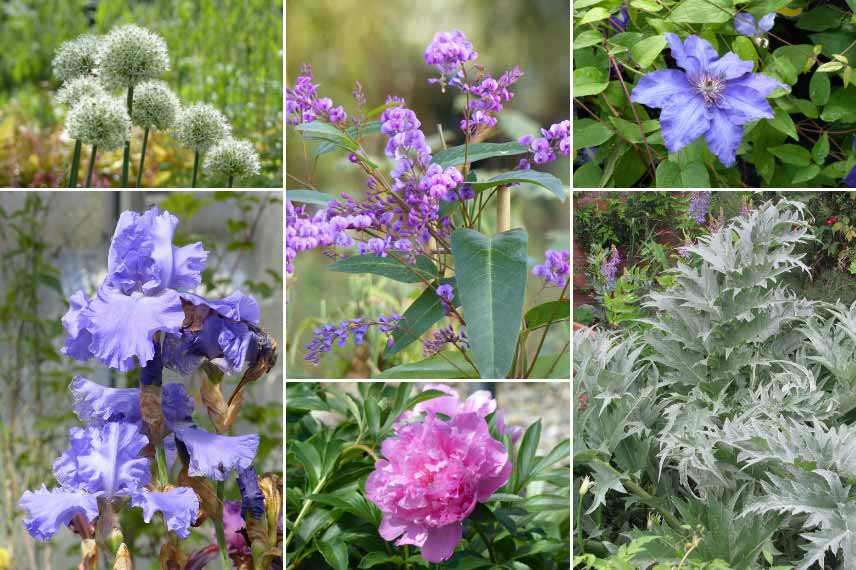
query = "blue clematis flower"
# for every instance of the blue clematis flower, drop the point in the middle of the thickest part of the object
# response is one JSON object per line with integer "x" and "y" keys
{"x": 103, "y": 465}
{"x": 146, "y": 293}
{"x": 850, "y": 179}
{"x": 744, "y": 23}
{"x": 712, "y": 97}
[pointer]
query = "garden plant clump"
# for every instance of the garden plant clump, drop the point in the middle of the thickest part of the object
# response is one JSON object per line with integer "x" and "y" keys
{"x": 406, "y": 479}
{"x": 141, "y": 447}
{"x": 111, "y": 84}
{"x": 717, "y": 432}
{"x": 714, "y": 93}
{"x": 420, "y": 223}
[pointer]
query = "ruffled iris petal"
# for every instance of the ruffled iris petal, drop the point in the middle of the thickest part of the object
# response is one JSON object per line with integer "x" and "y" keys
{"x": 76, "y": 325}
{"x": 123, "y": 326}
{"x": 49, "y": 510}
{"x": 177, "y": 403}
{"x": 213, "y": 455}
{"x": 179, "y": 507}
{"x": 94, "y": 402}
{"x": 236, "y": 307}
{"x": 108, "y": 459}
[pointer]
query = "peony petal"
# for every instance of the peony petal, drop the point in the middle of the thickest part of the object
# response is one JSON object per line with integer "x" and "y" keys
{"x": 658, "y": 88}
{"x": 214, "y": 456}
{"x": 49, "y": 510}
{"x": 94, "y": 402}
{"x": 391, "y": 527}
{"x": 683, "y": 121}
{"x": 730, "y": 66}
{"x": 744, "y": 23}
{"x": 178, "y": 506}
{"x": 743, "y": 104}
{"x": 480, "y": 402}
{"x": 106, "y": 459}
{"x": 723, "y": 137}
{"x": 123, "y": 326}
{"x": 441, "y": 542}
{"x": 76, "y": 325}
{"x": 758, "y": 82}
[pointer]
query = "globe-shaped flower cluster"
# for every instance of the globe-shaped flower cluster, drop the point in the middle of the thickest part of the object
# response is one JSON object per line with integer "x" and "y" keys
{"x": 200, "y": 126}
{"x": 129, "y": 55}
{"x": 76, "y": 57}
{"x": 232, "y": 158}
{"x": 101, "y": 121}
{"x": 74, "y": 90}
{"x": 155, "y": 106}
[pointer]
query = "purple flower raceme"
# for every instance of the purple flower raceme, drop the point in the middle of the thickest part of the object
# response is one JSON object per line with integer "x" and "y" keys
{"x": 712, "y": 97}
{"x": 609, "y": 268}
{"x": 699, "y": 206}
{"x": 556, "y": 139}
{"x": 103, "y": 465}
{"x": 324, "y": 336}
{"x": 449, "y": 50}
{"x": 447, "y": 296}
{"x": 302, "y": 104}
{"x": 745, "y": 24}
{"x": 433, "y": 474}
{"x": 556, "y": 268}
{"x": 439, "y": 339}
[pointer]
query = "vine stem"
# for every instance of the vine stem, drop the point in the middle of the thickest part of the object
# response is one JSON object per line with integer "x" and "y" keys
{"x": 195, "y": 168}
{"x": 219, "y": 529}
{"x": 75, "y": 164}
{"x": 126, "y": 156}
{"x": 142, "y": 158}
{"x": 91, "y": 167}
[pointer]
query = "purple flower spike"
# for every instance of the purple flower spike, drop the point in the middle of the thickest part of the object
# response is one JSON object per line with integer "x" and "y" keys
{"x": 699, "y": 206}
{"x": 712, "y": 97}
{"x": 214, "y": 456}
{"x": 744, "y": 23}
{"x": 448, "y": 50}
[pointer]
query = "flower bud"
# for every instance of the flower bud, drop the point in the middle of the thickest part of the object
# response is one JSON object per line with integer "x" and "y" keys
{"x": 130, "y": 55}
{"x": 586, "y": 485}
{"x": 100, "y": 120}
{"x": 76, "y": 57}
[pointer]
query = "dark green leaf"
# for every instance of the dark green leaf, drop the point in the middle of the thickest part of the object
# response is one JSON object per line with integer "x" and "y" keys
{"x": 589, "y": 81}
{"x": 558, "y": 453}
{"x": 646, "y": 51}
{"x": 551, "y": 311}
{"x": 820, "y": 150}
{"x": 491, "y": 277}
{"x": 420, "y": 316}
{"x": 423, "y": 270}
{"x": 543, "y": 179}
{"x": 819, "y": 89}
{"x": 702, "y": 12}
{"x": 791, "y": 154}
{"x": 309, "y": 197}
{"x": 455, "y": 156}
{"x": 589, "y": 133}
{"x": 372, "y": 559}
{"x": 329, "y": 133}
{"x": 335, "y": 553}
{"x": 783, "y": 123}
{"x": 526, "y": 455}
{"x": 447, "y": 364}
{"x": 539, "y": 503}
{"x": 552, "y": 366}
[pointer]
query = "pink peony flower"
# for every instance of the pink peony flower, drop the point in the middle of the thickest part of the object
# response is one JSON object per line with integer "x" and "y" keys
{"x": 481, "y": 403}
{"x": 433, "y": 475}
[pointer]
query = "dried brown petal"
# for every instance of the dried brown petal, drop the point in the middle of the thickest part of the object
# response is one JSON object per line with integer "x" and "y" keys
{"x": 88, "y": 555}
{"x": 208, "y": 504}
{"x": 123, "y": 558}
{"x": 152, "y": 412}
{"x": 212, "y": 397}
{"x": 171, "y": 556}
{"x": 194, "y": 316}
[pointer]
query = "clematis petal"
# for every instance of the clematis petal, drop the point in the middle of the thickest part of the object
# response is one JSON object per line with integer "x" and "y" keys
{"x": 214, "y": 456}
{"x": 766, "y": 23}
{"x": 730, "y": 66}
{"x": 693, "y": 55}
{"x": 850, "y": 179}
{"x": 94, "y": 402}
{"x": 49, "y": 510}
{"x": 76, "y": 325}
{"x": 658, "y": 88}
{"x": 123, "y": 326}
{"x": 743, "y": 104}
{"x": 107, "y": 459}
{"x": 744, "y": 23}
{"x": 440, "y": 543}
{"x": 179, "y": 507}
{"x": 700, "y": 50}
{"x": 761, "y": 83}
{"x": 683, "y": 121}
{"x": 723, "y": 137}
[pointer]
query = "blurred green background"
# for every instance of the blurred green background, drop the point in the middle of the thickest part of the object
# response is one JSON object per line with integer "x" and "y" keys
{"x": 224, "y": 52}
{"x": 381, "y": 45}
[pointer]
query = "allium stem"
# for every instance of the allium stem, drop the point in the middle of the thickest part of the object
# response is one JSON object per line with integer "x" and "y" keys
{"x": 195, "y": 168}
{"x": 142, "y": 157}
{"x": 75, "y": 164}
{"x": 126, "y": 157}
{"x": 91, "y": 167}
{"x": 220, "y": 530}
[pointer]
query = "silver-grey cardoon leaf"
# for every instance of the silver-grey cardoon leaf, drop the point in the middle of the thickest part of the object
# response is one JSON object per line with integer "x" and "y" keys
{"x": 155, "y": 106}
{"x": 76, "y": 57}
{"x": 101, "y": 121}
{"x": 232, "y": 158}
{"x": 201, "y": 126}
{"x": 76, "y": 89}
{"x": 130, "y": 55}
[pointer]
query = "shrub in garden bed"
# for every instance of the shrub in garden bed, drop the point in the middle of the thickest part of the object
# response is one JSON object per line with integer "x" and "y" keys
{"x": 714, "y": 93}
{"x": 420, "y": 223}
{"x": 399, "y": 478}
{"x": 722, "y": 435}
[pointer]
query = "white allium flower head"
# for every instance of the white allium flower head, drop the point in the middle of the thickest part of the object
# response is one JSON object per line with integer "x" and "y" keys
{"x": 76, "y": 89}
{"x": 76, "y": 57}
{"x": 155, "y": 106}
{"x": 101, "y": 120}
{"x": 200, "y": 126}
{"x": 130, "y": 55}
{"x": 231, "y": 157}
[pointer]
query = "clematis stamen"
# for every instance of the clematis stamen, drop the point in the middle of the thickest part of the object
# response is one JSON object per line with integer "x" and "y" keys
{"x": 711, "y": 87}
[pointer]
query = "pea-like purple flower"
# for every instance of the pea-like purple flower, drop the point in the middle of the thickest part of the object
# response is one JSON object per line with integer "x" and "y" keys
{"x": 745, "y": 24}
{"x": 609, "y": 268}
{"x": 448, "y": 50}
{"x": 432, "y": 476}
{"x": 699, "y": 206}
{"x": 712, "y": 97}
{"x": 556, "y": 267}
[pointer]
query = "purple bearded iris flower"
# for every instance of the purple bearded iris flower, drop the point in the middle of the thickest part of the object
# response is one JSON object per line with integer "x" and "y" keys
{"x": 744, "y": 23}
{"x": 145, "y": 293}
{"x": 850, "y": 180}
{"x": 713, "y": 97}
{"x": 206, "y": 454}
{"x": 103, "y": 466}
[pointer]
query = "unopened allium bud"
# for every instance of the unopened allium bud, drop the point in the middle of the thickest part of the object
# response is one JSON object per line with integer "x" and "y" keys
{"x": 76, "y": 57}
{"x": 130, "y": 55}
{"x": 73, "y": 90}
{"x": 586, "y": 485}
{"x": 201, "y": 126}
{"x": 232, "y": 158}
{"x": 101, "y": 120}
{"x": 155, "y": 106}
